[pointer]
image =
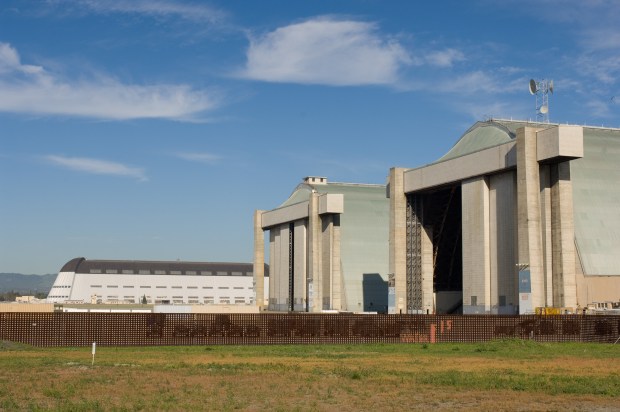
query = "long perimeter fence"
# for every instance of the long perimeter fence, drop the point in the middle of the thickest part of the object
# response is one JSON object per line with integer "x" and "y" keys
{"x": 151, "y": 329}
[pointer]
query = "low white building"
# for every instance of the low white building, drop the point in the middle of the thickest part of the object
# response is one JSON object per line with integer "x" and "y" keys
{"x": 153, "y": 282}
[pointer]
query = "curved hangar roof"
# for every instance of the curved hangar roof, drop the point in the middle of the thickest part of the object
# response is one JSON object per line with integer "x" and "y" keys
{"x": 145, "y": 267}
{"x": 351, "y": 191}
{"x": 596, "y": 187}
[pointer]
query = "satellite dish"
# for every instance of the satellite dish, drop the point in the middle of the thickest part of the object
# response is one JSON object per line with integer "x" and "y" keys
{"x": 551, "y": 86}
{"x": 544, "y": 109}
{"x": 533, "y": 88}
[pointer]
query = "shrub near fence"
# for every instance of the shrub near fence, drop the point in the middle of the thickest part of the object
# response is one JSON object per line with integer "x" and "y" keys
{"x": 149, "y": 329}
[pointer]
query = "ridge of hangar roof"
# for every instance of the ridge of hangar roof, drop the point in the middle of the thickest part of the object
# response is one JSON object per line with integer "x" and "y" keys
{"x": 302, "y": 192}
{"x": 81, "y": 264}
{"x": 485, "y": 134}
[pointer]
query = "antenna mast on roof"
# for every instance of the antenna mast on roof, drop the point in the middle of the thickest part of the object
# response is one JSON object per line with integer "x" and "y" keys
{"x": 541, "y": 89}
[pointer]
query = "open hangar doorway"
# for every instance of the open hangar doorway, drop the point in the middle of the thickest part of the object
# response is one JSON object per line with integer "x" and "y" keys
{"x": 439, "y": 212}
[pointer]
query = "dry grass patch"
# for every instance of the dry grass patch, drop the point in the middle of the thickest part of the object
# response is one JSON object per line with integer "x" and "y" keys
{"x": 496, "y": 376}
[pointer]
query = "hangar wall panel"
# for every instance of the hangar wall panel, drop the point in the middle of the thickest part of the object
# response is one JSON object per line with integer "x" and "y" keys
{"x": 274, "y": 256}
{"x": 283, "y": 279}
{"x": 596, "y": 196}
{"x": 327, "y": 263}
{"x": 301, "y": 249}
{"x": 476, "y": 259}
{"x": 503, "y": 243}
{"x": 563, "y": 237}
{"x": 545, "y": 224}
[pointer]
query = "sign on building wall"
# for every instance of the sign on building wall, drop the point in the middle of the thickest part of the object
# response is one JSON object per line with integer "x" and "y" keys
{"x": 525, "y": 292}
{"x": 391, "y": 294}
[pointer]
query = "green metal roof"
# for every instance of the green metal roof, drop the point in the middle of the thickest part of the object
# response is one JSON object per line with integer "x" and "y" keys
{"x": 300, "y": 194}
{"x": 480, "y": 136}
{"x": 303, "y": 190}
{"x": 483, "y": 135}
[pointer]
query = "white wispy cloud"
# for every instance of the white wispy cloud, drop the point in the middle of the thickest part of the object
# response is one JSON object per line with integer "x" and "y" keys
{"x": 604, "y": 69}
{"x": 604, "y": 38}
{"x": 444, "y": 58}
{"x": 97, "y": 166}
{"x": 198, "y": 157}
{"x": 10, "y": 62}
{"x": 326, "y": 51}
{"x": 497, "y": 109}
{"x": 479, "y": 82}
{"x": 33, "y": 90}
{"x": 155, "y": 8}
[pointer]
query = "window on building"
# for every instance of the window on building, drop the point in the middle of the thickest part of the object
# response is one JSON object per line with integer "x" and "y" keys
{"x": 160, "y": 272}
{"x": 111, "y": 271}
{"x": 95, "y": 271}
{"x": 190, "y": 272}
{"x": 238, "y": 287}
{"x": 207, "y": 287}
{"x": 127, "y": 287}
{"x": 128, "y": 271}
{"x": 160, "y": 287}
{"x": 175, "y": 272}
{"x": 177, "y": 287}
{"x": 237, "y": 273}
{"x": 145, "y": 287}
{"x": 95, "y": 286}
{"x": 144, "y": 272}
{"x": 112, "y": 286}
{"x": 192, "y": 287}
{"x": 222, "y": 273}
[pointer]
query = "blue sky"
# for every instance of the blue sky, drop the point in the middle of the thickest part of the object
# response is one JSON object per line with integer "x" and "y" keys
{"x": 151, "y": 129}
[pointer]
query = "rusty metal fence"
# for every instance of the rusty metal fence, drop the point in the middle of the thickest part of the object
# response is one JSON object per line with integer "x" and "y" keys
{"x": 148, "y": 329}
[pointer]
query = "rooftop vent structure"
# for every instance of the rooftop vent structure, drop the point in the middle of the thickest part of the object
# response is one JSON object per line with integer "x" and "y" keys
{"x": 315, "y": 180}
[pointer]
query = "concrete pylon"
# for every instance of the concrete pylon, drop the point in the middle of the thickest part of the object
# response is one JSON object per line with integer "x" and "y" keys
{"x": 476, "y": 246}
{"x": 315, "y": 281}
{"x": 529, "y": 232}
{"x": 259, "y": 260}
{"x": 336, "y": 266}
{"x": 563, "y": 235}
{"x": 428, "y": 296}
{"x": 398, "y": 237}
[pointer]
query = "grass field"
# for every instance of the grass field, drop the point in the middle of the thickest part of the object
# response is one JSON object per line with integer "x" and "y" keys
{"x": 501, "y": 375}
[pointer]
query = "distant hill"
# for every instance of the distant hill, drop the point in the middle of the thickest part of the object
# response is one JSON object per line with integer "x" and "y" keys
{"x": 16, "y": 282}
